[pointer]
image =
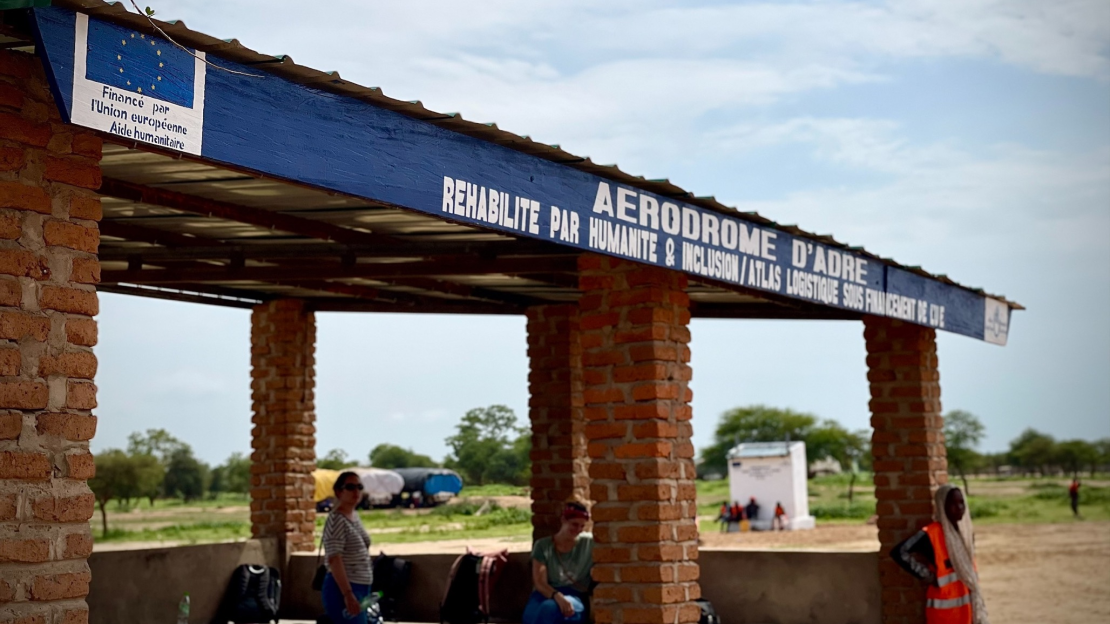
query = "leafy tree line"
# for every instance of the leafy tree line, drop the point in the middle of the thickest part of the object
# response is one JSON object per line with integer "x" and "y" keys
{"x": 488, "y": 446}
{"x": 760, "y": 423}
{"x": 1031, "y": 453}
{"x": 158, "y": 465}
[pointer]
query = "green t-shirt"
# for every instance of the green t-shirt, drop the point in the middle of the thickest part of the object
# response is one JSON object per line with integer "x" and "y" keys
{"x": 570, "y": 569}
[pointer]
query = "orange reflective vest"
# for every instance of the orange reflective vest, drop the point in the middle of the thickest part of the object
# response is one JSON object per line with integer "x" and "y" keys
{"x": 949, "y": 601}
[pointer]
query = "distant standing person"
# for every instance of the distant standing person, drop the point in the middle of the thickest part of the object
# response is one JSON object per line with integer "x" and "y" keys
{"x": 723, "y": 517}
{"x": 1073, "y": 494}
{"x": 779, "y": 521}
{"x": 347, "y": 554}
{"x": 943, "y": 555}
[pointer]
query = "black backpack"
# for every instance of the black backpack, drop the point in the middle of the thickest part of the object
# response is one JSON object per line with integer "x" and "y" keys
{"x": 473, "y": 576}
{"x": 391, "y": 577}
{"x": 253, "y": 595}
{"x": 708, "y": 613}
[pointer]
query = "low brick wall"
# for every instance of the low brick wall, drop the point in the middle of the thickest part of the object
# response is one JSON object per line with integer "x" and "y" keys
{"x": 746, "y": 587}
{"x": 146, "y": 585}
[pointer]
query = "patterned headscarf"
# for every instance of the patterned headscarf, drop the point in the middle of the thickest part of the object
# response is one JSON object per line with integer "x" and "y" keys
{"x": 961, "y": 550}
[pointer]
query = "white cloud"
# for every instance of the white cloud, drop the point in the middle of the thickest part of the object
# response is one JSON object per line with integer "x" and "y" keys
{"x": 1007, "y": 198}
{"x": 188, "y": 382}
{"x": 536, "y": 67}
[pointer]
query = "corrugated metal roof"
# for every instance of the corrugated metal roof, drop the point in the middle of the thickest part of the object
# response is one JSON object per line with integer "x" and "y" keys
{"x": 284, "y": 66}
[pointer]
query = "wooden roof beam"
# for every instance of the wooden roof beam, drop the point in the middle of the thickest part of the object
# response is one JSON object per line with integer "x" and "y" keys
{"x": 184, "y": 248}
{"x": 260, "y": 217}
{"x": 441, "y": 266}
{"x": 446, "y": 307}
{"x": 188, "y": 293}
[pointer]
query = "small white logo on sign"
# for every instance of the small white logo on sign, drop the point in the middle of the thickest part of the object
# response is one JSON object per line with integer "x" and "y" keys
{"x": 996, "y": 321}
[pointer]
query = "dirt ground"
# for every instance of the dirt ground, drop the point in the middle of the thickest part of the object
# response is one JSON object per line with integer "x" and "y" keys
{"x": 1032, "y": 573}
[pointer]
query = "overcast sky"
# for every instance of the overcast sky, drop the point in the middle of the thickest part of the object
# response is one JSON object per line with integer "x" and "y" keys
{"x": 970, "y": 137}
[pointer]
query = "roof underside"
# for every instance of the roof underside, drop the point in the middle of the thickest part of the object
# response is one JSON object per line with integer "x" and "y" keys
{"x": 181, "y": 228}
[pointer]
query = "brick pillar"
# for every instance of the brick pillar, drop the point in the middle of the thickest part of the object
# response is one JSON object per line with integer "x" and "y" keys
{"x": 634, "y": 322}
{"x": 283, "y": 346}
{"x": 559, "y": 463}
{"x": 48, "y": 268}
{"x": 908, "y": 449}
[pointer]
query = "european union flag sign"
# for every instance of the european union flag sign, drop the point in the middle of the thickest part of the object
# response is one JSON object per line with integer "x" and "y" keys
{"x": 139, "y": 63}
{"x": 137, "y": 86}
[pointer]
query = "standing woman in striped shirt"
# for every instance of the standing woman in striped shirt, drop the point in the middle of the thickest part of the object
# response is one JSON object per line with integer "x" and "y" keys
{"x": 347, "y": 553}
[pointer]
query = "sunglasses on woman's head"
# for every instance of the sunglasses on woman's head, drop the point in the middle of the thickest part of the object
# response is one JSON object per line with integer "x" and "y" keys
{"x": 351, "y": 487}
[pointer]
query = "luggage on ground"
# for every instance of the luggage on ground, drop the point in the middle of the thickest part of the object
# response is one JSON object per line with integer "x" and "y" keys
{"x": 253, "y": 595}
{"x": 708, "y": 613}
{"x": 391, "y": 577}
{"x": 469, "y": 588}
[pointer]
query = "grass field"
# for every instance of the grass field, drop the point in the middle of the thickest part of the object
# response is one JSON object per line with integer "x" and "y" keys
{"x": 993, "y": 501}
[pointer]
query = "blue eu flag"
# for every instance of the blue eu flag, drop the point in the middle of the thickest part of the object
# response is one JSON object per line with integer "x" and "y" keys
{"x": 139, "y": 63}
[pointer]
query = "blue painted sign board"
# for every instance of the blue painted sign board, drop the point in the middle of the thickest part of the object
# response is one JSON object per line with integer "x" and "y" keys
{"x": 116, "y": 80}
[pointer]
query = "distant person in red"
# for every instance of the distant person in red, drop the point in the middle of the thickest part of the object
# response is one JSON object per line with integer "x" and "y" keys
{"x": 778, "y": 523}
{"x": 1073, "y": 494}
{"x": 943, "y": 555}
{"x": 737, "y": 512}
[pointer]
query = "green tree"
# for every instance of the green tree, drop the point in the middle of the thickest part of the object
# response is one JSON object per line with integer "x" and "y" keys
{"x": 237, "y": 473}
{"x": 393, "y": 456}
{"x": 156, "y": 442}
{"x": 962, "y": 434}
{"x": 335, "y": 459}
{"x": 186, "y": 476}
{"x": 759, "y": 423}
{"x": 488, "y": 447}
{"x": 217, "y": 482}
{"x": 995, "y": 461}
{"x": 1102, "y": 446}
{"x": 830, "y": 439}
{"x": 1033, "y": 451}
{"x": 150, "y": 473}
{"x": 159, "y": 445}
{"x": 1075, "y": 455}
{"x": 115, "y": 479}
{"x": 755, "y": 423}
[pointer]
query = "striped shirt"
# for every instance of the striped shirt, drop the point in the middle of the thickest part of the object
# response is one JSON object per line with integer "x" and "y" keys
{"x": 348, "y": 539}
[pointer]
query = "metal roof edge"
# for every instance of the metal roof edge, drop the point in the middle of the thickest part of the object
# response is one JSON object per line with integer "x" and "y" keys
{"x": 285, "y": 67}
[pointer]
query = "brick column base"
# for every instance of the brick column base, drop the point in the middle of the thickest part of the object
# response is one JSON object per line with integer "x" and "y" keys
{"x": 283, "y": 346}
{"x": 48, "y": 268}
{"x": 559, "y": 463}
{"x": 908, "y": 449}
{"x": 634, "y": 341}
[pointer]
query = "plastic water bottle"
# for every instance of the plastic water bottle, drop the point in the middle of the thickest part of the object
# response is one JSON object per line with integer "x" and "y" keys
{"x": 368, "y": 605}
{"x": 183, "y": 610}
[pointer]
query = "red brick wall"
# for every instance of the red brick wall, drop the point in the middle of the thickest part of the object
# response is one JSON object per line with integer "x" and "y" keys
{"x": 559, "y": 462}
{"x": 907, "y": 446}
{"x": 283, "y": 347}
{"x": 634, "y": 338}
{"x": 48, "y": 269}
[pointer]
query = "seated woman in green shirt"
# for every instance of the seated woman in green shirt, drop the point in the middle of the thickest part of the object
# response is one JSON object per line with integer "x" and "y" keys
{"x": 561, "y": 566}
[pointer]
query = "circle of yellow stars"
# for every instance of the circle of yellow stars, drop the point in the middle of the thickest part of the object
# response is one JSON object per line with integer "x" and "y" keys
{"x": 160, "y": 63}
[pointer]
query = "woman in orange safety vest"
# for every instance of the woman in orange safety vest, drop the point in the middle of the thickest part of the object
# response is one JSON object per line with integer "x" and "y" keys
{"x": 943, "y": 554}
